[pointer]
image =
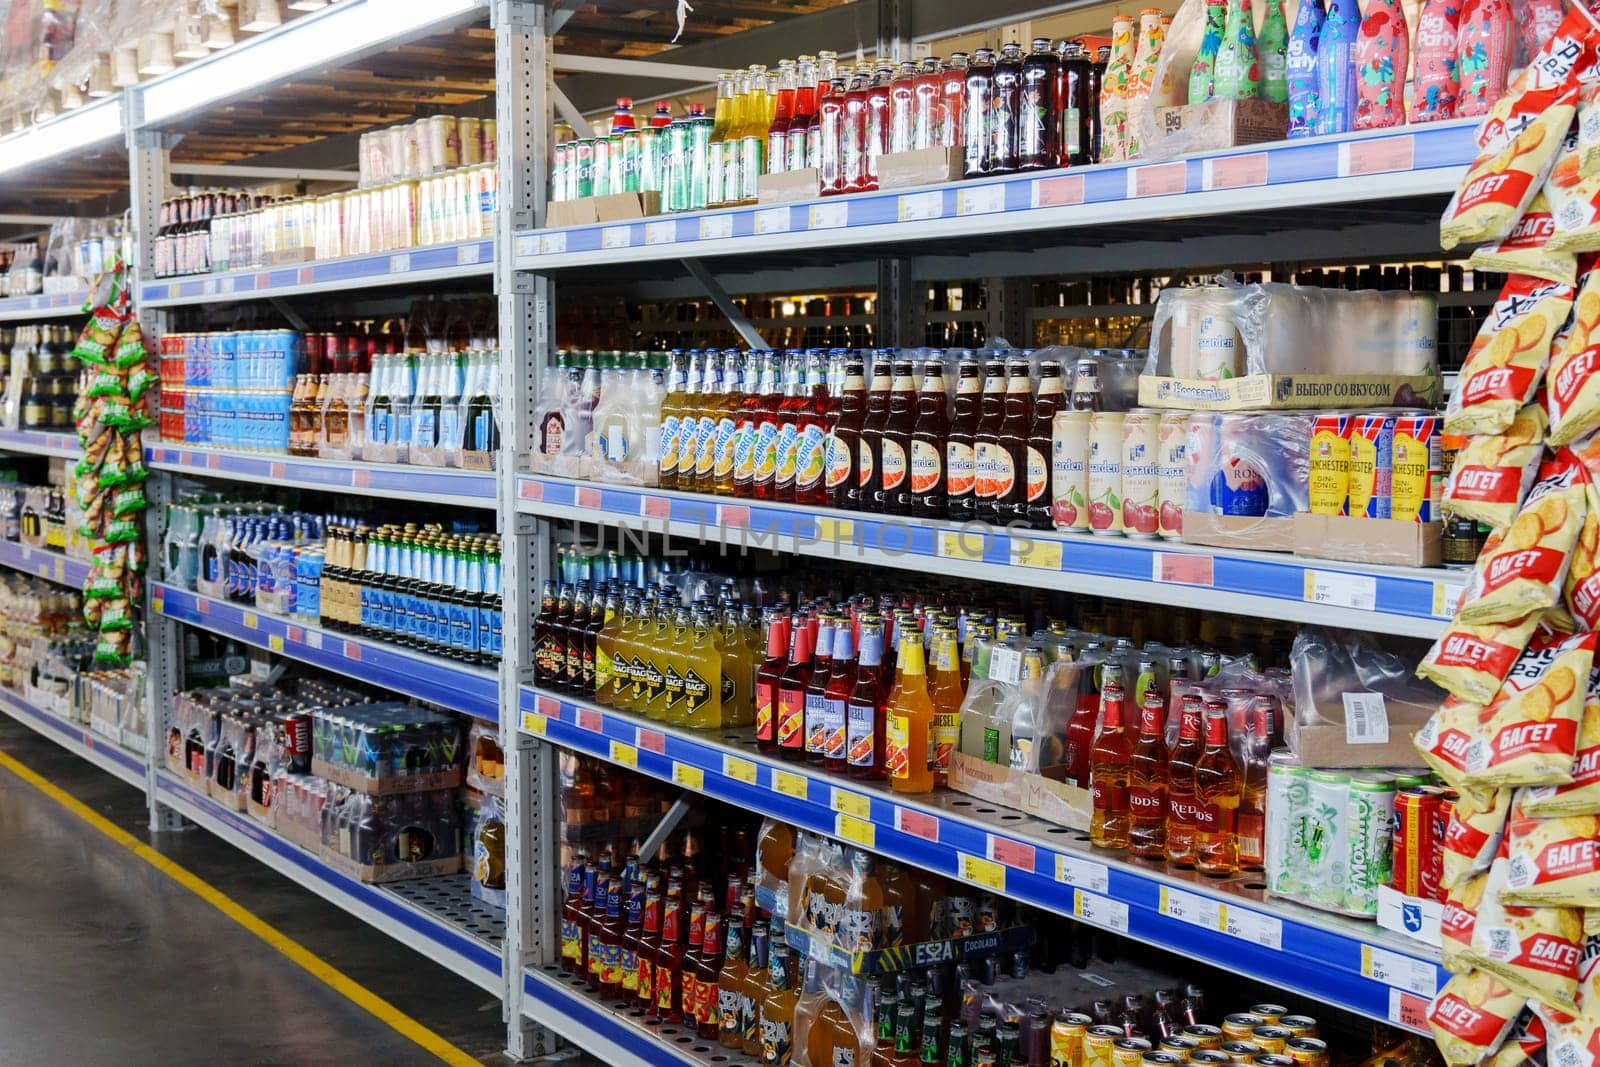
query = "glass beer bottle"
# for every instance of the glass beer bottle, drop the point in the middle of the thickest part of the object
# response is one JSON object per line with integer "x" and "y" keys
{"x": 1216, "y": 791}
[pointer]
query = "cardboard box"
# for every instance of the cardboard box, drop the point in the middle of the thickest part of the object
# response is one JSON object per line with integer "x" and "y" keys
{"x": 922, "y": 166}
{"x": 1358, "y": 539}
{"x": 789, "y": 186}
{"x": 1062, "y": 803}
{"x": 615, "y": 207}
{"x": 1239, "y": 531}
{"x": 1215, "y": 125}
{"x": 1326, "y": 744}
{"x": 232, "y": 799}
{"x": 376, "y": 874}
{"x": 381, "y": 787}
{"x": 305, "y": 835}
{"x": 992, "y": 782}
{"x": 1289, "y": 391}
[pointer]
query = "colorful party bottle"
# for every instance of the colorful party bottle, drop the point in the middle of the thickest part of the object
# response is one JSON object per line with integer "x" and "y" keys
{"x": 1238, "y": 70}
{"x": 1483, "y": 50}
{"x": 1300, "y": 68}
{"x": 1143, "y": 78}
{"x": 1336, "y": 70}
{"x": 1273, "y": 48}
{"x": 1203, "y": 77}
{"x": 1114, "y": 87}
{"x": 1382, "y": 50}
{"x": 1435, "y": 79}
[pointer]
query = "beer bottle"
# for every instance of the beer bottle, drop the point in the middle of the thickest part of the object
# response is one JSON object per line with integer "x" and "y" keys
{"x": 1011, "y": 453}
{"x": 572, "y": 914}
{"x": 1147, "y": 794}
{"x": 945, "y": 691}
{"x": 795, "y": 403}
{"x": 708, "y": 972}
{"x": 864, "y": 711}
{"x": 689, "y": 967}
{"x": 791, "y": 708}
{"x": 1038, "y": 510}
{"x": 1216, "y": 791}
{"x": 547, "y": 670}
{"x": 711, "y": 399}
{"x": 596, "y": 880}
{"x": 844, "y": 440}
{"x": 810, "y": 486}
{"x": 909, "y": 748}
{"x": 1253, "y": 786}
{"x": 986, "y": 441}
{"x": 1039, "y": 135}
{"x": 723, "y": 453}
{"x": 754, "y": 989}
{"x": 611, "y": 941}
{"x": 836, "y": 696}
{"x": 960, "y": 465}
{"x": 777, "y": 1011}
{"x": 868, "y": 479}
{"x": 924, "y": 493}
{"x": 649, "y": 949}
{"x": 832, "y": 1038}
{"x": 1086, "y": 394}
{"x": 764, "y": 480}
{"x": 816, "y": 728}
{"x": 768, "y": 679}
{"x": 746, "y": 423}
{"x": 1181, "y": 800}
{"x": 1075, "y": 105}
{"x": 1109, "y": 768}
{"x": 891, "y": 495}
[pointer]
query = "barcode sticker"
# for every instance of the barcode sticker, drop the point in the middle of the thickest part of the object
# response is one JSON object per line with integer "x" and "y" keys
{"x": 1366, "y": 720}
{"x": 1005, "y": 665}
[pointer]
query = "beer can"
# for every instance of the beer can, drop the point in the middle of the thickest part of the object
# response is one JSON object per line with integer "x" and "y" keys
{"x": 1272, "y": 1059}
{"x": 1241, "y": 488}
{"x": 600, "y": 170}
{"x": 1105, "y": 472}
{"x": 1271, "y": 1038}
{"x": 1329, "y": 478}
{"x": 1371, "y": 465}
{"x": 1271, "y": 1013}
{"x": 1183, "y": 1046}
{"x": 1415, "y": 810}
{"x": 582, "y": 181}
{"x": 1210, "y": 1057}
{"x": 1217, "y": 351}
{"x": 1206, "y": 1035}
{"x": 1416, "y": 487}
{"x": 1097, "y": 1045}
{"x": 1240, "y": 1025}
{"x": 1129, "y": 1051}
{"x": 490, "y": 136}
{"x": 1442, "y": 815}
{"x": 1299, "y": 1025}
{"x": 1172, "y": 443}
{"x": 1160, "y": 1058}
{"x": 1067, "y": 1031}
{"x": 1141, "y": 493}
{"x": 1307, "y": 1051}
{"x": 471, "y": 132}
{"x": 1240, "y": 1051}
{"x": 1371, "y": 820}
{"x": 1069, "y": 469}
{"x": 1326, "y": 821}
{"x": 1287, "y": 794}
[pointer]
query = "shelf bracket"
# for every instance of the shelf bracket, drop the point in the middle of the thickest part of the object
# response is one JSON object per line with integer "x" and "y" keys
{"x": 669, "y": 822}
{"x": 730, "y": 310}
{"x": 281, "y": 306}
{"x": 570, "y": 114}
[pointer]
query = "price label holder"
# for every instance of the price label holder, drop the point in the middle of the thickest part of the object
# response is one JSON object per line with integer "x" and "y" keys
{"x": 1063, "y": 190}
{"x": 828, "y": 216}
{"x": 915, "y": 207}
{"x": 400, "y": 263}
{"x": 716, "y": 227}
{"x": 1252, "y": 926}
{"x": 1183, "y": 568}
{"x": 1401, "y": 972}
{"x": 691, "y": 778}
{"x": 1100, "y": 911}
{"x": 624, "y": 754}
{"x": 772, "y": 220}
{"x": 533, "y": 723}
{"x": 552, "y": 244}
{"x": 1409, "y": 1010}
{"x": 616, "y": 237}
{"x": 858, "y": 831}
{"x": 917, "y": 824}
{"x": 275, "y": 642}
{"x": 981, "y": 871}
{"x": 1234, "y": 172}
{"x": 1191, "y": 908}
{"x": 789, "y": 784}
{"x": 661, "y": 233}
{"x": 1040, "y": 555}
{"x": 1342, "y": 590}
{"x": 469, "y": 253}
{"x": 1158, "y": 179}
{"x": 1377, "y": 155}
{"x": 739, "y": 770}
{"x": 1085, "y": 874}
{"x": 851, "y": 803}
{"x": 981, "y": 200}
{"x": 1446, "y": 598}
{"x": 1011, "y": 853}
{"x": 962, "y": 544}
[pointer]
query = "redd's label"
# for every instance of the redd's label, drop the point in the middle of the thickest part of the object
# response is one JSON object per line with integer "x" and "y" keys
{"x": 1112, "y": 798}
{"x": 1330, "y": 464}
{"x": 1417, "y": 469}
{"x": 1371, "y": 465}
{"x": 1213, "y": 819}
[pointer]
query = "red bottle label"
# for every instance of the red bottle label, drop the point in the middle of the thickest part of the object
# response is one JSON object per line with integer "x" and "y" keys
{"x": 1109, "y": 797}
{"x": 1146, "y": 803}
{"x": 1252, "y": 830}
{"x": 791, "y": 718}
{"x": 765, "y": 695}
{"x": 1181, "y": 809}
{"x": 1213, "y": 819}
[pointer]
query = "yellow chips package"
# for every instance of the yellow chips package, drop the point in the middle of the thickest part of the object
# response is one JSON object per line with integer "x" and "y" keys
{"x": 1472, "y": 661}
{"x": 1581, "y": 796}
{"x": 1554, "y": 862}
{"x": 1457, "y": 918}
{"x": 1471, "y": 1016}
{"x": 1498, "y": 187}
{"x": 1533, "y": 950}
{"x": 1472, "y": 837}
{"x": 1524, "y": 568}
{"x": 1525, "y": 250}
{"x": 1444, "y": 740}
{"x": 1528, "y": 733}
{"x": 1493, "y": 472}
{"x": 1572, "y": 384}
{"x": 1508, "y": 357}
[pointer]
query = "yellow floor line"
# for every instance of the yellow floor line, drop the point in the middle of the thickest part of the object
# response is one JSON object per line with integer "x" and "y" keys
{"x": 298, "y": 954}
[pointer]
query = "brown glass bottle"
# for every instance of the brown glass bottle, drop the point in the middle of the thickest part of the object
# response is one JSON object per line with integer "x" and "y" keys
{"x": 867, "y": 479}
{"x": 986, "y": 440}
{"x": 1037, "y": 502}
{"x": 890, "y": 495}
{"x": 925, "y": 495}
{"x": 708, "y": 1006}
{"x": 960, "y": 466}
{"x": 1011, "y": 457}
{"x": 845, "y": 441}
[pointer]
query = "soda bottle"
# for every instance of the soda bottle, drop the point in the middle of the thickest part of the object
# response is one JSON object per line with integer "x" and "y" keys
{"x": 946, "y": 693}
{"x": 1114, "y": 88}
{"x": 1143, "y": 77}
{"x": 1273, "y": 45}
{"x": 853, "y": 135}
{"x": 959, "y": 460}
{"x": 864, "y": 710}
{"x": 1109, "y": 772}
{"x": 1010, "y": 454}
{"x": 649, "y": 947}
{"x": 1097, "y": 84}
{"x": 878, "y": 118}
{"x": 1300, "y": 66}
{"x": 1216, "y": 791}
{"x": 953, "y": 98}
{"x": 1147, "y": 795}
{"x": 1181, "y": 798}
{"x": 795, "y": 404}
{"x": 816, "y": 726}
{"x": 717, "y": 146}
{"x": 1483, "y": 51}
{"x": 978, "y": 109}
{"x": 830, "y": 134}
{"x": 1004, "y": 124}
{"x": 908, "y": 751}
{"x": 777, "y": 1010}
{"x": 836, "y": 697}
{"x": 903, "y": 107}
{"x": 1238, "y": 74}
{"x": 1037, "y": 508}
{"x": 828, "y": 84}
{"x": 753, "y": 134}
{"x": 986, "y": 441}
{"x": 802, "y": 124}
{"x": 1336, "y": 70}
{"x": 1039, "y": 134}
{"x": 769, "y": 677}
{"x": 782, "y": 119}
{"x": 1382, "y": 52}
{"x": 844, "y": 440}
{"x": 926, "y": 106}
{"x": 1253, "y": 786}
{"x": 791, "y": 709}
{"x": 667, "y": 975}
{"x": 923, "y": 494}
{"x": 700, "y": 126}
{"x": 1073, "y": 104}
{"x": 1203, "y": 75}
{"x": 889, "y": 493}
{"x": 1435, "y": 79}
{"x": 764, "y": 485}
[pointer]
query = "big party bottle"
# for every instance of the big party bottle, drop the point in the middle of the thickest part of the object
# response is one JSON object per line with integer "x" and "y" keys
{"x": 1202, "y": 77}
{"x": 1483, "y": 50}
{"x": 1382, "y": 51}
{"x": 1143, "y": 77}
{"x": 1336, "y": 72}
{"x": 1238, "y": 74}
{"x": 1114, "y": 92}
{"x": 1300, "y": 67}
{"x": 1435, "y": 76}
{"x": 1273, "y": 47}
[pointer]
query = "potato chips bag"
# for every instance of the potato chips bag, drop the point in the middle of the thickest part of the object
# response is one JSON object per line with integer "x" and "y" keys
{"x": 1471, "y": 1016}
{"x": 1528, "y": 733}
{"x": 1553, "y": 861}
{"x": 1457, "y": 918}
{"x": 1499, "y": 187}
{"x": 1588, "y": 127}
{"x": 1524, "y": 568}
{"x": 1572, "y": 386}
{"x": 1575, "y": 1041}
{"x": 1472, "y": 837}
{"x": 1533, "y": 950}
{"x": 1508, "y": 357}
{"x": 1525, "y": 1042}
{"x": 1472, "y": 661}
{"x": 1445, "y": 738}
{"x": 1581, "y": 796}
{"x": 1493, "y": 472}
{"x": 1562, "y": 61}
{"x": 1525, "y": 250}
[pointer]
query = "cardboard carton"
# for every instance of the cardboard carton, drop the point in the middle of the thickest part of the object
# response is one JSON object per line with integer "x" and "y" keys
{"x": 789, "y": 186}
{"x": 405, "y": 783}
{"x": 1214, "y": 125}
{"x": 1239, "y": 531}
{"x": 1289, "y": 391}
{"x": 615, "y": 207}
{"x": 921, "y": 166}
{"x": 1358, "y": 539}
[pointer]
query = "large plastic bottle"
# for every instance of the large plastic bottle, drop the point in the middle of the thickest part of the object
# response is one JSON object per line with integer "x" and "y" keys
{"x": 1300, "y": 67}
{"x": 1382, "y": 51}
{"x": 1272, "y": 45}
{"x": 1435, "y": 79}
{"x": 1238, "y": 72}
{"x": 1336, "y": 70}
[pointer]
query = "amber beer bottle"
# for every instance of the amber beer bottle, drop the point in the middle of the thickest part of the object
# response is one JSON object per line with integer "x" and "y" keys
{"x": 1180, "y": 782}
{"x": 791, "y": 707}
{"x": 867, "y": 480}
{"x": 890, "y": 495}
{"x": 1011, "y": 455}
{"x": 959, "y": 465}
{"x": 844, "y": 442}
{"x": 754, "y": 990}
{"x": 1216, "y": 791}
{"x": 689, "y": 965}
{"x": 768, "y": 678}
{"x": 668, "y": 976}
{"x": 986, "y": 440}
{"x": 925, "y": 494}
{"x": 777, "y": 1011}
{"x": 707, "y": 972}
{"x": 649, "y": 946}
{"x": 1110, "y": 766}
{"x": 1037, "y": 509}
{"x": 1147, "y": 796}
{"x": 730, "y": 983}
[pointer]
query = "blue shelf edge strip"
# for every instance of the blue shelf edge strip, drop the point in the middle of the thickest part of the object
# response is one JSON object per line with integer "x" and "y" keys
{"x": 473, "y": 691}
{"x": 43, "y": 563}
{"x": 52, "y": 304}
{"x": 39, "y": 443}
{"x": 1323, "y": 964}
{"x": 77, "y": 737}
{"x": 469, "y": 257}
{"x": 368, "y": 477}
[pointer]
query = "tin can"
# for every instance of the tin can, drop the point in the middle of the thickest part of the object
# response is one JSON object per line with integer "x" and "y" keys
{"x": 1329, "y": 479}
{"x": 1105, "y": 472}
{"x": 1288, "y": 789}
{"x": 1172, "y": 445}
{"x": 1372, "y": 465}
{"x": 1415, "y": 845}
{"x": 471, "y": 131}
{"x": 1098, "y": 1045}
{"x": 1272, "y": 1059}
{"x": 1307, "y": 1051}
{"x": 1240, "y": 489}
{"x": 1129, "y": 1051}
{"x": 1326, "y": 822}
{"x": 1206, "y": 1035}
{"x": 1300, "y": 1026}
{"x": 1069, "y": 470}
{"x": 1210, "y": 1057}
{"x": 1241, "y": 1051}
{"x": 444, "y": 142}
{"x": 1371, "y": 821}
{"x": 1183, "y": 1046}
{"x": 490, "y": 139}
{"x": 1067, "y": 1031}
{"x": 1416, "y": 468}
{"x": 1160, "y": 1058}
{"x": 1271, "y": 1038}
{"x": 582, "y": 181}
{"x": 1271, "y": 1013}
{"x": 1141, "y": 494}
{"x": 600, "y": 171}
{"x": 1240, "y": 1025}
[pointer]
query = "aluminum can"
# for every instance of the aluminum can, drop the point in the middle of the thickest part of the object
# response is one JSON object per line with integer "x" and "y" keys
{"x": 1371, "y": 821}
{"x": 1069, "y": 470}
{"x": 1141, "y": 429}
{"x": 1105, "y": 472}
{"x": 1172, "y": 447}
{"x": 1415, "y": 848}
{"x": 1299, "y": 1025}
{"x": 1272, "y": 1038}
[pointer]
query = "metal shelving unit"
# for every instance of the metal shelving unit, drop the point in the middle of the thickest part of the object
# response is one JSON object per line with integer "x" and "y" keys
{"x": 40, "y": 443}
{"x": 433, "y": 485}
{"x": 43, "y": 563}
{"x": 42, "y": 306}
{"x": 76, "y": 737}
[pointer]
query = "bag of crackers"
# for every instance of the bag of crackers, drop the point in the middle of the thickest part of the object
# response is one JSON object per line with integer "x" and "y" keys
{"x": 1524, "y": 568}
{"x": 1508, "y": 357}
{"x": 1527, "y": 734}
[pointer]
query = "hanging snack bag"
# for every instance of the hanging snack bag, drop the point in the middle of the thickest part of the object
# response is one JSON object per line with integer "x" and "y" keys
{"x": 1472, "y": 661}
{"x": 1523, "y": 569}
{"x": 1581, "y": 796}
{"x": 1525, "y": 1042}
{"x": 1471, "y": 1016}
{"x": 1572, "y": 386}
{"x": 1493, "y": 472}
{"x": 1554, "y": 862}
{"x": 1570, "y": 197}
{"x": 1499, "y": 186}
{"x": 1472, "y": 837}
{"x": 1525, "y": 250}
{"x": 1508, "y": 357}
{"x": 1533, "y": 950}
{"x": 1529, "y": 731}
{"x": 1446, "y": 737}
{"x": 1457, "y": 918}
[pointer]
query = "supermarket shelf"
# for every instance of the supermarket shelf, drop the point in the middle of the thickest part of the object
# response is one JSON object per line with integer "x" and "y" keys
{"x": 77, "y": 738}
{"x": 42, "y": 563}
{"x": 469, "y": 259}
{"x": 1414, "y": 602}
{"x": 1341, "y": 961}
{"x": 435, "y": 485}
{"x": 1313, "y": 173}
{"x": 42, "y": 306}
{"x": 473, "y": 690}
{"x": 40, "y": 443}
{"x": 438, "y": 931}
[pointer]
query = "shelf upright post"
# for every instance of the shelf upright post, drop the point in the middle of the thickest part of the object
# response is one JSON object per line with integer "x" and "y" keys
{"x": 149, "y": 165}
{"x": 896, "y": 304}
{"x": 523, "y": 110}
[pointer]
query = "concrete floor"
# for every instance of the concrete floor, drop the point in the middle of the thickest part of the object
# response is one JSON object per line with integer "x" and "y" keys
{"x": 104, "y": 960}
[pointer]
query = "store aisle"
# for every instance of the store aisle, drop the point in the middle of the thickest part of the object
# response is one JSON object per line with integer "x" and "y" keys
{"x": 106, "y": 960}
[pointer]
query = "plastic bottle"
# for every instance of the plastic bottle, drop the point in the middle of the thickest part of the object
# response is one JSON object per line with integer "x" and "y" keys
{"x": 1203, "y": 75}
{"x": 909, "y": 743}
{"x": 1272, "y": 45}
{"x": 1300, "y": 67}
{"x": 1238, "y": 70}
{"x": 1114, "y": 84}
{"x": 1435, "y": 72}
{"x": 1484, "y": 51}
{"x": 1023, "y": 709}
{"x": 1382, "y": 52}
{"x": 977, "y": 109}
{"x": 1336, "y": 72}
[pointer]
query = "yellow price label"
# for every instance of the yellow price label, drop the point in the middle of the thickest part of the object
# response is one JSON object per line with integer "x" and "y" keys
{"x": 961, "y": 544}
{"x": 851, "y": 803}
{"x": 1446, "y": 597}
{"x": 1045, "y": 555}
{"x": 275, "y": 643}
{"x": 835, "y": 531}
{"x": 790, "y": 785}
{"x": 740, "y": 770}
{"x": 688, "y": 777}
{"x": 250, "y": 620}
{"x": 986, "y": 873}
{"x": 61, "y": 569}
{"x": 626, "y": 755}
{"x": 859, "y": 831}
{"x": 533, "y": 723}
{"x": 159, "y": 604}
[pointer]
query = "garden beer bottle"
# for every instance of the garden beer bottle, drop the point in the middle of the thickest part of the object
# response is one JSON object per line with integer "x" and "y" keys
{"x": 960, "y": 464}
{"x": 844, "y": 442}
{"x": 890, "y": 494}
{"x": 1143, "y": 77}
{"x": 923, "y": 494}
{"x": 1011, "y": 451}
{"x": 1037, "y": 510}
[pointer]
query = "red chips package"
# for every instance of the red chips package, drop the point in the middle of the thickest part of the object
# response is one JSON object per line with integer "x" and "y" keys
{"x": 1472, "y": 837}
{"x": 1507, "y": 359}
{"x": 1471, "y": 1016}
{"x": 1524, "y": 569}
{"x": 1472, "y": 661}
{"x": 1529, "y": 732}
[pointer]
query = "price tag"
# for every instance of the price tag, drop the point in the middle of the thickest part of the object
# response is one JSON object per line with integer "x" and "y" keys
{"x": 305, "y": 275}
{"x": 835, "y": 531}
{"x": 734, "y": 516}
{"x": 850, "y": 828}
{"x": 789, "y": 784}
{"x": 1063, "y": 191}
{"x": 1005, "y": 665}
{"x": 1100, "y": 911}
{"x": 1446, "y": 598}
{"x": 716, "y": 227}
{"x": 209, "y": 287}
{"x": 530, "y": 490}
{"x": 225, "y": 283}
{"x": 653, "y": 741}
{"x": 61, "y": 570}
{"x": 660, "y": 233}
{"x": 688, "y": 777}
{"x": 277, "y": 470}
{"x": 914, "y": 206}
{"x": 1043, "y": 555}
{"x": 297, "y": 635}
{"x": 1182, "y": 568}
{"x": 1234, "y": 172}
{"x": 314, "y": 639}
{"x": 1191, "y": 908}
{"x": 772, "y": 220}
{"x": 1408, "y": 1010}
{"x": 468, "y": 253}
{"x": 549, "y": 706}
{"x": 1402, "y": 972}
{"x": 202, "y": 605}
{"x": 917, "y": 824}
{"x": 962, "y": 544}
{"x": 1011, "y": 853}
{"x": 625, "y": 755}
{"x": 1159, "y": 179}
{"x": 981, "y": 200}
{"x": 740, "y": 770}
{"x": 275, "y": 643}
{"x": 589, "y": 498}
{"x": 360, "y": 479}
{"x": 352, "y": 651}
{"x": 1085, "y": 874}
{"x": 986, "y": 873}
{"x": 400, "y": 263}
{"x": 828, "y": 216}
{"x": 851, "y": 803}
{"x": 250, "y": 620}
{"x": 1359, "y": 591}
{"x": 1377, "y": 155}
{"x": 590, "y": 720}
{"x": 552, "y": 244}
{"x": 1252, "y": 926}
{"x": 616, "y": 237}
{"x": 534, "y": 724}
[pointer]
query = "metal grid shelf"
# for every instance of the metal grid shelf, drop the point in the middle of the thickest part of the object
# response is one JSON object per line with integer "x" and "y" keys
{"x": 434, "y": 485}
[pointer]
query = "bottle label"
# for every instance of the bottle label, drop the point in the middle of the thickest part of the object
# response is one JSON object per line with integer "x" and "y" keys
{"x": 1213, "y": 819}
{"x": 664, "y": 990}
{"x": 946, "y": 725}
{"x": 897, "y": 747}
{"x": 749, "y": 1019}
{"x": 647, "y": 972}
{"x": 833, "y": 729}
{"x": 894, "y": 465}
{"x": 860, "y": 930}
{"x": 791, "y": 718}
{"x": 705, "y": 458}
{"x": 765, "y": 695}
{"x": 860, "y": 728}
{"x": 722, "y": 464}
{"x": 809, "y": 454}
{"x": 991, "y": 745}
{"x": 1004, "y": 477}
{"x": 865, "y": 466}
{"x": 744, "y": 452}
{"x": 728, "y": 1009}
{"x": 961, "y": 466}
{"x": 926, "y": 466}
{"x": 838, "y": 462}
{"x": 688, "y": 445}
{"x": 777, "y": 1040}
{"x": 1038, "y": 476}
{"x": 1021, "y": 752}
{"x": 630, "y": 970}
{"x": 1146, "y": 803}
{"x": 983, "y": 469}
{"x": 571, "y": 947}
{"x": 1252, "y": 827}
{"x": 816, "y": 724}
{"x": 696, "y": 690}
{"x": 1071, "y": 130}
{"x": 671, "y": 684}
{"x": 787, "y": 446}
{"x": 766, "y": 451}
{"x": 751, "y": 166}
{"x": 1107, "y": 797}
